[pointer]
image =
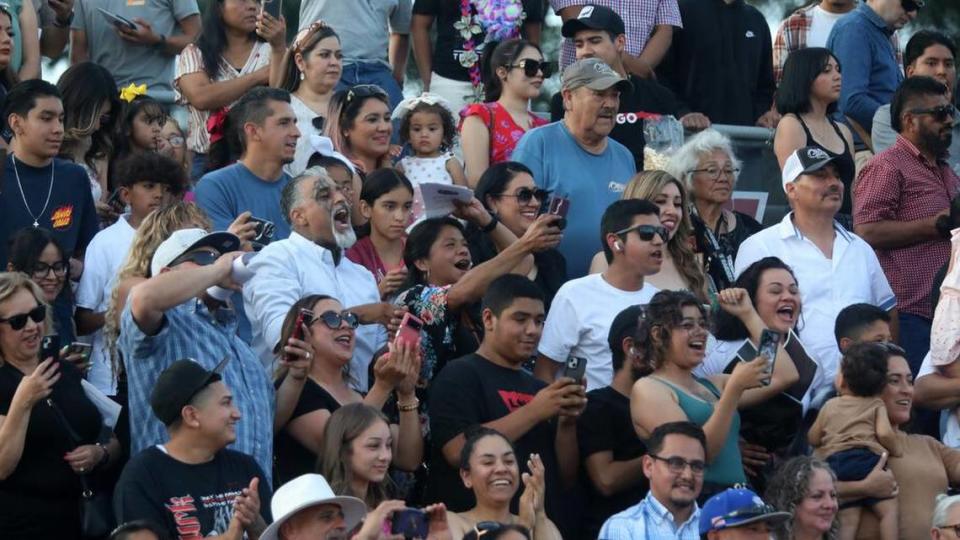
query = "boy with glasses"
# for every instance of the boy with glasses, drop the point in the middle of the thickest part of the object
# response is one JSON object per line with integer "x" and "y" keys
{"x": 583, "y": 309}
{"x": 674, "y": 465}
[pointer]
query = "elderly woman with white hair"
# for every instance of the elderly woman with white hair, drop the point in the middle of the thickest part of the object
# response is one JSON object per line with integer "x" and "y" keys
{"x": 708, "y": 166}
{"x": 946, "y": 518}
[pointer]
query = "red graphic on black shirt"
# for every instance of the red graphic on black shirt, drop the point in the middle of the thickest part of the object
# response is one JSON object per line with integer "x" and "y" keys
{"x": 514, "y": 400}
{"x": 62, "y": 217}
{"x": 182, "y": 508}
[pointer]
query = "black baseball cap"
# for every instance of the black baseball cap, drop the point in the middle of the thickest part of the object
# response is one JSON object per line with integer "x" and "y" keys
{"x": 594, "y": 18}
{"x": 178, "y": 384}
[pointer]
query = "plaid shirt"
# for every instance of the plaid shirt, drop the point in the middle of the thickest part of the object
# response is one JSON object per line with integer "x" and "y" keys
{"x": 639, "y": 18}
{"x": 191, "y": 331}
{"x": 792, "y": 35}
{"x": 899, "y": 184}
{"x": 650, "y": 520}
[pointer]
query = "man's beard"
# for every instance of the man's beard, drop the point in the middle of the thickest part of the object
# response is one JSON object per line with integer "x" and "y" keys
{"x": 935, "y": 143}
{"x": 344, "y": 240}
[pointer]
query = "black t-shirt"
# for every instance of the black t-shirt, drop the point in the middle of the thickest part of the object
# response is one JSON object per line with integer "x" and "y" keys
{"x": 470, "y": 391}
{"x": 291, "y": 459}
{"x": 648, "y": 96}
{"x": 449, "y": 45}
{"x": 606, "y": 426}
{"x": 186, "y": 500}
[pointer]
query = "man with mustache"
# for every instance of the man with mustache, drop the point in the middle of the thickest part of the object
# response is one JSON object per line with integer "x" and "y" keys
{"x": 674, "y": 465}
{"x": 833, "y": 267}
{"x": 576, "y": 157}
{"x": 898, "y": 198}
{"x": 312, "y": 261}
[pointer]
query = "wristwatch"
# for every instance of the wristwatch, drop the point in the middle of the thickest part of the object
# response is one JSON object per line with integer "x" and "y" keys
{"x": 162, "y": 44}
{"x": 63, "y": 24}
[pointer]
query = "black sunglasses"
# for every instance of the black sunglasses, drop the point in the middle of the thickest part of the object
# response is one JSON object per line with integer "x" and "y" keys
{"x": 41, "y": 269}
{"x": 646, "y": 232}
{"x": 364, "y": 91}
{"x": 200, "y": 258}
{"x": 17, "y": 322}
{"x": 940, "y": 113}
{"x": 912, "y": 5}
{"x": 318, "y": 123}
{"x": 530, "y": 67}
{"x": 332, "y": 319}
{"x": 524, "y": 195}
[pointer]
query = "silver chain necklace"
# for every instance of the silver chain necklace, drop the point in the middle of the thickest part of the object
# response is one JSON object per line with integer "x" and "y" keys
{"x": 36, "y": 222}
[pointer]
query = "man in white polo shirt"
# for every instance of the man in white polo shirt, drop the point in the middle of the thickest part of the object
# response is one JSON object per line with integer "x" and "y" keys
{"x": 834, "y": 267}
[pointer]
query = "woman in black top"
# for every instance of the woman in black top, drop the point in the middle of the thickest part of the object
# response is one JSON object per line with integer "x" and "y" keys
{"x": 40, "y": 462}
{"x": 807, "y": 98}
{"x": 507, "y": 191}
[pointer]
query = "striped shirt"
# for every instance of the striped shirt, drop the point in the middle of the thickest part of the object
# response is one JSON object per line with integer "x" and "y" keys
{"x": 650, "y": 520}
{"x": 191, "y": 61}
{"x": 191, "y": 331}
{"x": 639, "y": 17}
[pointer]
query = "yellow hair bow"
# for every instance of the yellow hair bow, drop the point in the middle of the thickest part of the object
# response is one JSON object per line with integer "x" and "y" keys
{"x": 130, "y": 93}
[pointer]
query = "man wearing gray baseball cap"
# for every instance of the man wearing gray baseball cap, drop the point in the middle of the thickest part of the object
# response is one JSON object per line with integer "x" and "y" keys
{"x": 576, "y": 158}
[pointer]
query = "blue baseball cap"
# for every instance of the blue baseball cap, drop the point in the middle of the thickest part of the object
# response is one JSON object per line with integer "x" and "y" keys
{"x": 736, "y": 507}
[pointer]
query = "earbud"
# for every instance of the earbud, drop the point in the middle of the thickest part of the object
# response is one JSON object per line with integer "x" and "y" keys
{"x": 618, "y": 246}
{"x": 633, "y": 351}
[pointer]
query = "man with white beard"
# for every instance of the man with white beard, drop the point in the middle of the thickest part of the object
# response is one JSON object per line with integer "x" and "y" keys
{"x": 312, "y": 261}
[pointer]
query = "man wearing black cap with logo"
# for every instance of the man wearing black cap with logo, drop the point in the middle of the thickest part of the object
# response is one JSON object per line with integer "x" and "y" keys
{"x": 192, "y": 485}
{"x": 834, "y": 267}
{"x": 598, "y": 32}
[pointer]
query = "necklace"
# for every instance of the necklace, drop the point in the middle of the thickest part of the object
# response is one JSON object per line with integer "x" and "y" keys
{"x": 36, "y": 218}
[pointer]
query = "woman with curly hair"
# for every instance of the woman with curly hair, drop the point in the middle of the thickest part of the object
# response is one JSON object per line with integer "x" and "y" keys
{"x": 681, "y": 268}
{"x": 805, "y": 487}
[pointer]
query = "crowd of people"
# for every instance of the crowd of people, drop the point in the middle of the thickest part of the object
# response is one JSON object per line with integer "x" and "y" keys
{"x": 322, "y": 309}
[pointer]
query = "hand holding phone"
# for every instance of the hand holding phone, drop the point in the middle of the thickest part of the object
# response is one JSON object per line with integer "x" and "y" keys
{"x": 410, "y": 522}
{"x": 117, "y": 20}
{"x": 559, "y": 206}
{"x": 50, "y": 347}
{"x": 575, "y": 368}
{"x": 769, "y": 341}
{"x": 409, "y": 331}
{"x": 303, "y": 317}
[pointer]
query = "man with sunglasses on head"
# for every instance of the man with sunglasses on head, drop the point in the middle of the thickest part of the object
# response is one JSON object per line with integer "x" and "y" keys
{"x": 833, "y": 267}
{"x": 673, "y": 465}
{"x": 312, "y": 261}
{"x": 599, "y": 32}
{"x": 899, "y": 199}
{"x": 929, "y": 53}
{"x": 577, "y": 159}
{"x": 579, "y": 321}
{"x": 183, "y": 311}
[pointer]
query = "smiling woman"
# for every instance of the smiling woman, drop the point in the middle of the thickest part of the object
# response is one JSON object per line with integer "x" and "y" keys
{"x": 36, "y": 253}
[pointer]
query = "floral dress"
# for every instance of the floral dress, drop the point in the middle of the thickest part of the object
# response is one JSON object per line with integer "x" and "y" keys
{"x": 504, "y": 132}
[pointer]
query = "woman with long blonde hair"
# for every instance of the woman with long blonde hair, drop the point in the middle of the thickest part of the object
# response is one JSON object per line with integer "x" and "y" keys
{"x": 680, "y": 268}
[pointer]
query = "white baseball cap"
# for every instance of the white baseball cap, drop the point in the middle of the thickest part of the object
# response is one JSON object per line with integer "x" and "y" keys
{"x": 303, "y": 492}
{"x": 185, "y": 240}
{"x": 810, "y": 159}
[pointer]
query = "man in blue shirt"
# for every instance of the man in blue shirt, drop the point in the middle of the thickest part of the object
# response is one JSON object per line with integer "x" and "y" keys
{"x": 871, "y": 74}
{"x": 674, "y": 464}
{"x": 576, "y": 158}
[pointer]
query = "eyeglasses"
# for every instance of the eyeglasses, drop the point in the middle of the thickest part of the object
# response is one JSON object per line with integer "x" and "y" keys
{"x": 200, "y": 258}
{"x": 646, "y": 232}
{"x": 678, "y": 464}
{"x": 530, "y": 67}
{"x": 912, "y": 5}
{"x": 954, "y": 528}
{"x": 939, "y": 113}
{"x": 318, "y": 123}
{"x": 175, "y": 140}
{"x": 41, "y": 269}
{"x": 364, "y": 91}
{"x": 17, "y": 322}
{"x": 332, "y": 319}
{"x": 524, "y": 195}
{"x": 714, "y": 172}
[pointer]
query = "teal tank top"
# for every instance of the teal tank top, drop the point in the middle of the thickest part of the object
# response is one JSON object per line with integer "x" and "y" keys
{"x": 726, "y": 468}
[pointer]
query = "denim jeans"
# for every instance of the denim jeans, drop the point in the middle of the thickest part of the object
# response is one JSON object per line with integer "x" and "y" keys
{"x": 372, "y": 73}
{"x": 915, "y": 338}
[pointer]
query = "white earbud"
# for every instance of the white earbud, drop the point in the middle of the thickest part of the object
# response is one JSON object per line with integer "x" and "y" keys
{"x": 618, "y": 246}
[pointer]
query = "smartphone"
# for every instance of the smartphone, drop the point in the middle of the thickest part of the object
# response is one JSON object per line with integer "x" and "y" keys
{"x": 50, "y": 347}
{"x": 411, "y": 523}
{"x": 575, "y": 368}
{"x": 559, "y": 206}
{"x": 769, "y": 340}
{"x": 298, "y": 326}
{"x": 273, "y": 7}
{"x": 409, "y": 331}
{"x": 263, "y": 230}
{"x": 79, "y": 347}
{"x": 117, "y": 20}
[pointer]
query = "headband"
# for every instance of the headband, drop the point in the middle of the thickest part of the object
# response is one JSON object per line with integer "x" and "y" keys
{"x": 407, "y": 106}
{"x": 301, "y": 39}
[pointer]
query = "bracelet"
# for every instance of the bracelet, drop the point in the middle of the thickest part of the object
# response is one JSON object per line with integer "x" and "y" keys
{"x": 106, "y": 455}
{"x": 407, "y": 407}
{"x": 489, "y": 227}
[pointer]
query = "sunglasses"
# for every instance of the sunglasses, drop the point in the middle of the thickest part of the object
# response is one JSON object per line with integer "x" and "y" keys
{"x": 530, "y": 67}
{"x": 332, "y": 319}
{"x": 199, "y": 258}
{"x": 318, "y": 123}
{"x": 939, "y": 113}
{"x": 525, "y": 195}
{"x": 678, "y": 464}
{"x": 364, "y": 91}
{"x": 175, "y": 140}
{"x": 17, "y": 322}
{"x": 646, "y": 232}
{"x": 912, "y": 5}
{"x": 41, "y": 270}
